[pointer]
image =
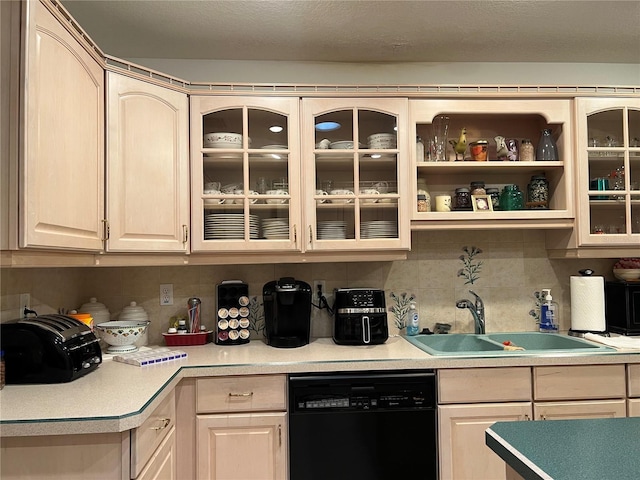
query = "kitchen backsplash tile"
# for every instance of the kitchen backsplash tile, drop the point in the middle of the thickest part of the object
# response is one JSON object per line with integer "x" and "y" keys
{"x": 514, "y": 266}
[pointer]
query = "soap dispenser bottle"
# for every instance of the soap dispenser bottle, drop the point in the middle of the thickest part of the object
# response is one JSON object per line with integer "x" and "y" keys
{"x": 548, "y": 313}
{"x": 413, "y": 326}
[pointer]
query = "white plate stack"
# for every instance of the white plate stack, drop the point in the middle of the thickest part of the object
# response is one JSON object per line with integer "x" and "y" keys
{"x": 229, "y": 226}
{"x": 275, "y": 228}
{"x": 332, "y": 230}
{"x": 379, "y": 229}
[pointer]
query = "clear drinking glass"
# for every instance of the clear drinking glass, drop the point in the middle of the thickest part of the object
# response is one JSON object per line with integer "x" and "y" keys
{"x": 440, "y": 127}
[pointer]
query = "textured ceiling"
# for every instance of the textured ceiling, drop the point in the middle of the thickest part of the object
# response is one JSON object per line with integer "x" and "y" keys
{"x": 365, "y": 30}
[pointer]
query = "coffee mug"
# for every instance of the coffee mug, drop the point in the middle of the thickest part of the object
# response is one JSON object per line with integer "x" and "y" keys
{"x": 342, "y": 191}
{"x": 321, "y": 192}
{"x": 443, "y": 203}
{"x": 276, "y": 201}
{"x": 370, "y": 191}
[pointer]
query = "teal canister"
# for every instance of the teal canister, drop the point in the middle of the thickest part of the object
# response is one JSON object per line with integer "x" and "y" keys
{"x": 511, "y": 198}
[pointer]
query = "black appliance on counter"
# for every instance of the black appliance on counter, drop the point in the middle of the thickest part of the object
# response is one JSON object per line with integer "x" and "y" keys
{"x": 48, "y": 349}
{"x": 359, "y": 426}
{"x": 622, "y": 307}
{"x": 287, "y": 312}
{"x": 360, "y": 317}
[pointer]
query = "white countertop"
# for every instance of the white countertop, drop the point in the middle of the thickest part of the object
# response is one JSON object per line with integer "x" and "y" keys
{"x": 117, "y": 396}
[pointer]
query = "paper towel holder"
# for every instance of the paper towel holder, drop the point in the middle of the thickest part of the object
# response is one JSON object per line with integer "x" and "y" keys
{"x": 587, "y": 272}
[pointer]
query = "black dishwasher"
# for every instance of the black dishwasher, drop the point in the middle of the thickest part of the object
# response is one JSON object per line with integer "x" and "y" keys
{"x": 363, "y": 426}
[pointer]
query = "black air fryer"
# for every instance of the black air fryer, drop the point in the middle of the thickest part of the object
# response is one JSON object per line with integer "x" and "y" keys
{"x": 360, "y": 317}
{"x": 287, "y": 312}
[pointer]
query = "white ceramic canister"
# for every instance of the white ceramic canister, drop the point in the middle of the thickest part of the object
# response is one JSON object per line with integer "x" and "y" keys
{"x": 135, "y": 313}
{"x": 98, "y": 311}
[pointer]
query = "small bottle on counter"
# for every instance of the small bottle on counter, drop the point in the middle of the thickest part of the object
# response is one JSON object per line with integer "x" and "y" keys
{"x": 182, "y": 326}
{"x": 413, "y": 325}
{"x": 548, "y": 313}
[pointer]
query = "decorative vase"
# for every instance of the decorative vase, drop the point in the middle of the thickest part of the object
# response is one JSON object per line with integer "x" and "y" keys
{"x": 547, "y": 149}
{"x": 511, "y": 198}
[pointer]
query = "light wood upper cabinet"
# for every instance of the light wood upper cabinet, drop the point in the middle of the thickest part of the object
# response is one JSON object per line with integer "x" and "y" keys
{"x": 355, "y": 174}
{"x": 245, "y": 175}
{"x": 147, "y": 167}
{"x": 61, "y": 203}
{"x": 608, "y": 181}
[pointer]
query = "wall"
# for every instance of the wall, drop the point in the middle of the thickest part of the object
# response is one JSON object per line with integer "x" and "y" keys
{"x": 514, "y": 266}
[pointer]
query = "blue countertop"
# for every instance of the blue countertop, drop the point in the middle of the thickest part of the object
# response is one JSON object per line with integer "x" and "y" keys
{"x": 590, "y": 449}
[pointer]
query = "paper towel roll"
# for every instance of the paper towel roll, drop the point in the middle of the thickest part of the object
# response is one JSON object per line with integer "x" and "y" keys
{"x": 587, "y": 304}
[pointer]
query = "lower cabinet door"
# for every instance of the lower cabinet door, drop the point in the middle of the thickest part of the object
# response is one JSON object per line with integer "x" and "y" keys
{"x": 245, "y": 446}
{"x": 464, "y": 454}
{"x": 162, "y": 465}
{"x": 633, "y": 407}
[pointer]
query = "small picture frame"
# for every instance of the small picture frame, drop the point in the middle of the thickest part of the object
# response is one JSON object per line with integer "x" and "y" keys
{"x": 481, "y": 203}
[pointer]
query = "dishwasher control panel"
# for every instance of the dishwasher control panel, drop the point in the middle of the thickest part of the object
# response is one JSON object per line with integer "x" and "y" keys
{"x": 387, "y": 392}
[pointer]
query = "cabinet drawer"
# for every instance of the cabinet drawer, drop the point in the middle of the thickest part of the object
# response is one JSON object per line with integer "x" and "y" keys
{"x": 579, "y": 382}
{"x": 633, "y": 379}
{"x": 583, "y": 409}
{"x": 241, "y": 394}
{"x": 147, "y": 437}
{"x": 484, "y": 385}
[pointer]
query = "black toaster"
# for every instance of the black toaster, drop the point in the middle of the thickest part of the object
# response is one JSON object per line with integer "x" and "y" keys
{"x": 360, "y": 317}
{"x": 48, "y": 349}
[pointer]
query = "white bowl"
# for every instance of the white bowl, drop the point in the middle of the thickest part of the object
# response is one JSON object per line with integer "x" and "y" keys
{"x": 382, "y": 140}
{"x": 627, "y": 274}
{"x": 344, "y": 145}
{"x": 222, "y": 140}
{"x": 121, "y": 335}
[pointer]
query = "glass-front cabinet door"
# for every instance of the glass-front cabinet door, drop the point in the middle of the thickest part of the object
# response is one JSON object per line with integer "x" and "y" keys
{"x": 609, "y": 171}
{"x": 355, "y": 171}
{"x": 245, "y": 174}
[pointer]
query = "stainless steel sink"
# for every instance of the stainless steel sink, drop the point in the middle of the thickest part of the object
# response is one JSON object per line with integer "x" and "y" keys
{"x": 491, "y": 344}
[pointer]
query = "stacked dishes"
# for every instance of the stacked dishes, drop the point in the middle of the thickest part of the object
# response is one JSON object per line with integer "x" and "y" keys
{"x": 344, "y": 145}
{"x": 379, "y": 229}
{"x": 222, "y": 140}
{"x": 229, "y": 226}
{"x": 381, "y": 141}
{"x": 332, "y": 230}
{"x": 275, "y": 228}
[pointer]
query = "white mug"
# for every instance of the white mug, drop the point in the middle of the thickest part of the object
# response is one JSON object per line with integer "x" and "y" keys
{"x": 443, "y": 203}
{"x": 370, "y": 191}
{"x": 276, "y": 201}
{"x": 341, "y": 191}
{"x": 321, "y": 192}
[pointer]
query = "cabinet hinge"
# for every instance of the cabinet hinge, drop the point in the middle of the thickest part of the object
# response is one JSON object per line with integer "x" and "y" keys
{"x": 310, "y": 235}
{"x": 105, "y": 230}
{"x": 185, "y": 234}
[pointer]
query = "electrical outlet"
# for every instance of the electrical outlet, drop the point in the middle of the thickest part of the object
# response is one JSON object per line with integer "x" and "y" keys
{"x": 318, "y": 284}
{"x": 166, "y": 294}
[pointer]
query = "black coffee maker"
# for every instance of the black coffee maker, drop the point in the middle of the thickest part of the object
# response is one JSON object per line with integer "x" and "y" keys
{"x": 287, "y": 312}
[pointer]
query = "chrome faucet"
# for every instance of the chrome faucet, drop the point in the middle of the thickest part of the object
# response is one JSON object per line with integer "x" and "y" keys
{"x": 476, "y": 310}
